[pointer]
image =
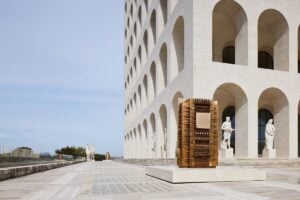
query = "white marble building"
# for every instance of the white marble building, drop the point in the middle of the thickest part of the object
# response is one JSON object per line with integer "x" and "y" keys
{"x": 243, "y": 53}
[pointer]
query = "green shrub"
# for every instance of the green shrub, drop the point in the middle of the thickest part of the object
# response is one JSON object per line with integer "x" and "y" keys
{"x": 99, "y": 157}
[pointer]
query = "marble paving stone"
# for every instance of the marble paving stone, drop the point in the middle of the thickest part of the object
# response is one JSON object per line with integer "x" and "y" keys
{"x": 118, "y": 181}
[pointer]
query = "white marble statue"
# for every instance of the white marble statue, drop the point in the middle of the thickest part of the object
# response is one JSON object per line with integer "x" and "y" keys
{"x": 269, "y": 134}
{"x": 165, "y": 143}
{"x": 161, "y": 139}
{"x": 87, "y": 152}
{"x": 227, "y": 131}
{"x": 90, "y": 152}
{"x": 154, "y": 142}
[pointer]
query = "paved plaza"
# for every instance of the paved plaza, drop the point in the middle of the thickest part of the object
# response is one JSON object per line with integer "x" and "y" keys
{"x": 112, "y": 180}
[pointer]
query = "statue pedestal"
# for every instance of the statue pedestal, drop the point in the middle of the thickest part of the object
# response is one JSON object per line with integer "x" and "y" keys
{"x": 226, "y": 153}
{"x": 269, "y": 153}
{"x": 174, "y": 174}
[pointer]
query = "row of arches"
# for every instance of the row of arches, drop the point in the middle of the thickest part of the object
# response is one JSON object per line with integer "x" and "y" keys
{"x": 133, "y": 5}
{"x": 141, "y": 17}
{"x": 177, "y": 47}
{"x": 148, "y": 40}
{"x": 152, "y": 137}
{"x": 272, "y": 104}
{"x": 230, "y": 37}
{"x": 147, "y": 91}
{"x": 233, "y": 101}
{"x": 135, "y": 12}
{"x": 160, "y": 72}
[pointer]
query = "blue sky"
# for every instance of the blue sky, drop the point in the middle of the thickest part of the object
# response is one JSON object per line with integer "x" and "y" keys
{"x": 61, "y": 74}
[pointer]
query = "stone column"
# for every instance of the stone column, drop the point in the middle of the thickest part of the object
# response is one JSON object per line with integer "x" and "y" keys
{"x": 252, "y": 149}
{"x": 252, "y": 41}
{"x": 293, "y": 48}
{"x": 172, "y": 134}
{"x": 293, "y": 133}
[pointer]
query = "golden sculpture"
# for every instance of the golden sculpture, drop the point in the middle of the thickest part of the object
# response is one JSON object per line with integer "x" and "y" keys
{"x": 197, "y": 145}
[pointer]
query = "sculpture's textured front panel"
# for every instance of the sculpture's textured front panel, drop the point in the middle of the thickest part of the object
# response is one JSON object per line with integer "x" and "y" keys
{"x": 197, "y": 133}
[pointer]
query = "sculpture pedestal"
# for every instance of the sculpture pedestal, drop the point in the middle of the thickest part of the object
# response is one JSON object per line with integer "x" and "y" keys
{"x": 269, "y": 153}
{"x": 175, "y": 174}
{"x": 226, "y": 153}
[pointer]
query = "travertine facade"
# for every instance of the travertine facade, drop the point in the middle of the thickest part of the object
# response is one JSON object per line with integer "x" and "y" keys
{"x": 243, "y": 53}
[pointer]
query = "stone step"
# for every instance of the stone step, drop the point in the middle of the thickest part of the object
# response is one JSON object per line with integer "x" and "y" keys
{"x": 282, "y": 170}
{"x": 148, "y": 162}
{"x": 274, "y": 163}
{"x": 288, "y": 175}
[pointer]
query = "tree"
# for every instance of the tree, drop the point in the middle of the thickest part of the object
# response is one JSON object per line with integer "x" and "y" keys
{"x": 46, "y": 155}
{"x": 73, "y": 151}
{"x": 99, "y": 157}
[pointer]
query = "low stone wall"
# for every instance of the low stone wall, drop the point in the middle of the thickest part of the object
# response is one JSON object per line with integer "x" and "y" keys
{"x": 13, "y": 172}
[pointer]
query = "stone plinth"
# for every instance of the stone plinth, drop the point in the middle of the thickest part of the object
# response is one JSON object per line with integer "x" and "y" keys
{"x": 269, "y": 153}
{"x": 175, "y": 174}
{"x": 226, "y": 153}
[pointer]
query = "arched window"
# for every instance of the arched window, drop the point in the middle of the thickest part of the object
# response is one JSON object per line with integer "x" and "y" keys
{"x": 140, "y": 15}
{"x": 140, "y": 100}
{"x": 131, "y": 10}
{"x": 230, "y": 28}
{"x": 140, "y": 55}
{"x": 162, "y": 132}
{"x": 131, "y": 73}
{"x": 134, "y": 30}
{"x": 178, "y": 47}
{"x": 134, "y": 105}
{"x": 134, "y": 68}
{"x": 152, "y": 91}
{"x": 128, "y": 81}
{"x": 146, "y": 5}
{"x": 145, "y": 92}
{"x": 145, "y": 139}
{"x": 163, "y": 70}
{"x": 152, "y": 135}
{"x": 228, "y": 55}
{"x": 164, "y": 10}
{"x": 153, "y": 25}
{"x": 128, "y": 22}
{"x": 145, "y": 40}
{"x": 273, "y": 36}
{"x": 265, "y": 60}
